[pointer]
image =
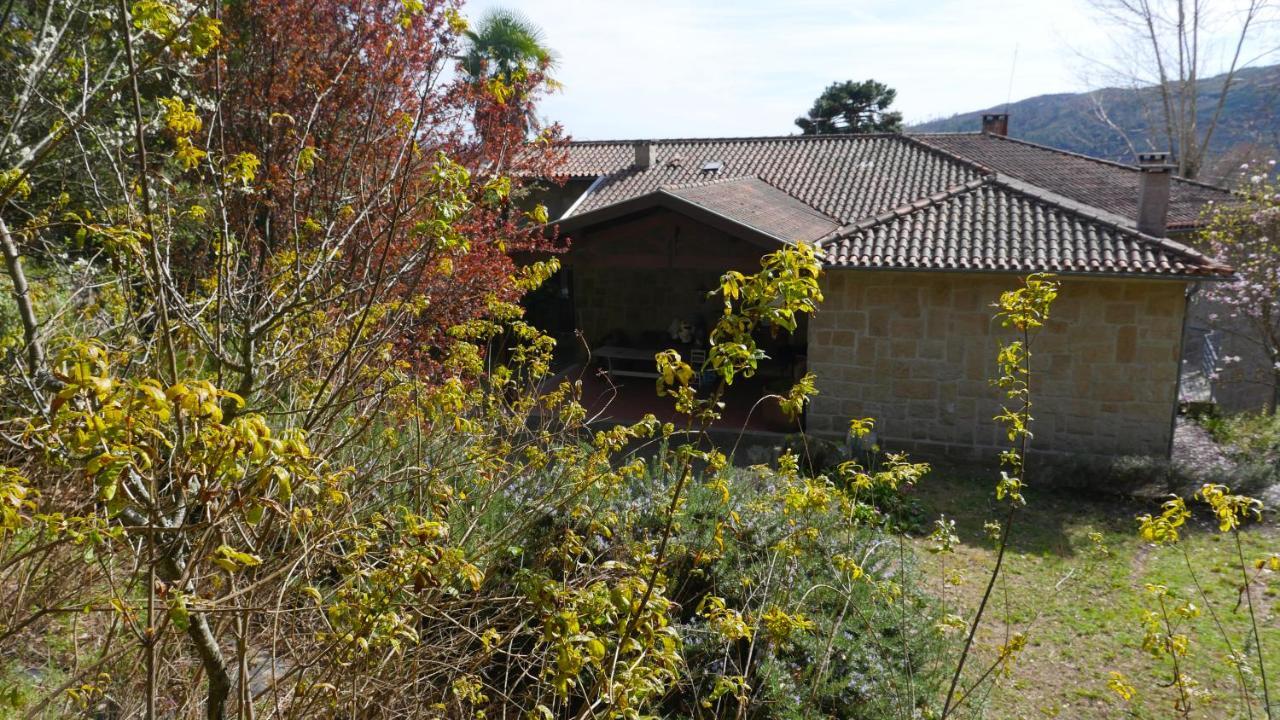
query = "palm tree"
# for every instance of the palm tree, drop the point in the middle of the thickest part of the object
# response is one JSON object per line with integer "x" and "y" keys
{"x": 503, "y": 42}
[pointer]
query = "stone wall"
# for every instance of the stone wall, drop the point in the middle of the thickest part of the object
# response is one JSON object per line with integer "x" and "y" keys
{"x": 916, "y": 350}
{"x": 1244, "y": 379}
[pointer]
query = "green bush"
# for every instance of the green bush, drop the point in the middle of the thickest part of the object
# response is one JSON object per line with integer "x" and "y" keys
{"x": 1251, "y": 442}
{"x": 843, "y": 627}
{"x": 1122, "y": 476}
{"x": 1247, "y": 435}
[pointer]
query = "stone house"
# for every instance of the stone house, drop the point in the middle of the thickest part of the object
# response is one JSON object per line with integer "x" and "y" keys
{"x": 919, "y": 235}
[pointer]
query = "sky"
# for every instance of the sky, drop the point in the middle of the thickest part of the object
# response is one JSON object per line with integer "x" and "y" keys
{"x": 698, "y": 68}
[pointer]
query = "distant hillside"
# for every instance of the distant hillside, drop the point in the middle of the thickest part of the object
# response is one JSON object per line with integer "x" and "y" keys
{"x": 1250, "y": 124}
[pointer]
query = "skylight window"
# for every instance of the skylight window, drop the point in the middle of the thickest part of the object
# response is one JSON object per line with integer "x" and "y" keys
{"x": 712, "y": 166}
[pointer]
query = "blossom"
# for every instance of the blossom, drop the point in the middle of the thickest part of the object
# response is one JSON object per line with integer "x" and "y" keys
{"x": 1242, "y": 236}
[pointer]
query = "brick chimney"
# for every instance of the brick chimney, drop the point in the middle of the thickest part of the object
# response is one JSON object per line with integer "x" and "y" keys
{"x": 995, "y": 124}
{"x": 1155, "y": 174}
{"x": 644, "y": 154}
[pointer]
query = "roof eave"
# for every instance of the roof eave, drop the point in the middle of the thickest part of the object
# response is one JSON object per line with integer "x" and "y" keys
{"x": 1214, "y": 276}
{"x": 666, "y": 200}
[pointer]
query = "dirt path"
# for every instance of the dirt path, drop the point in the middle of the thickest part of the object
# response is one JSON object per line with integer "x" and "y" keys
{"x": 1193, "y": 447}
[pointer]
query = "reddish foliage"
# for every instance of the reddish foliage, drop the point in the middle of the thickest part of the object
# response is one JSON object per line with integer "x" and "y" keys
{"x": 372, "y": 90}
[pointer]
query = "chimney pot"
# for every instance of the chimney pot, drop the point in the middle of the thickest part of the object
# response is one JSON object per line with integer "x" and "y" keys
{"x": 1154, "y": 159}
{"x": 644, "y": 154}
{"x": 1154, "y": 180}
{"x": 996, "y": 124}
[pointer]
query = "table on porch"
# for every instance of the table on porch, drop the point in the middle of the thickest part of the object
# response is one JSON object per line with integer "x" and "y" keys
{"x": 610, "y": 354}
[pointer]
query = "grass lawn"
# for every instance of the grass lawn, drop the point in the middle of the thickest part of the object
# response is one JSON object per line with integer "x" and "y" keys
{"x": 1082, "y": 612}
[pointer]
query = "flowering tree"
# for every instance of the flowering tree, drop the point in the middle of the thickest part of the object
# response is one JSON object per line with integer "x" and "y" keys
{"x": 1244, "y": 235}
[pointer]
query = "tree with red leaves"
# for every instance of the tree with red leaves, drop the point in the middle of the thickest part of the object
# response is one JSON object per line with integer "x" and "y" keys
{"x": 360, "y": 121}
{"x": 262, "y": 209}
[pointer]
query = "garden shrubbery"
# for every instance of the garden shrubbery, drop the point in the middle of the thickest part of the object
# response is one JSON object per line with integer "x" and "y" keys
{"x": 276, "y": 439}
{"x": 1252, "y": 443}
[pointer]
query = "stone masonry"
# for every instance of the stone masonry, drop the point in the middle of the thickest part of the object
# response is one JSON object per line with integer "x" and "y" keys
{"x": 916, "y": 351}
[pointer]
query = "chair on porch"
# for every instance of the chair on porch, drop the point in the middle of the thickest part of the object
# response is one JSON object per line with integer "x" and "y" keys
{"x": 701, "y": 376}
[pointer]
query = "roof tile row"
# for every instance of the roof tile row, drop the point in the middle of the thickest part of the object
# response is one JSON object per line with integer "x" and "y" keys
{"x": 846, "y": 177}
{"x": 1100, "y": 183}
{"x": 996, "y": 228}
{"x": 964, "y": 201}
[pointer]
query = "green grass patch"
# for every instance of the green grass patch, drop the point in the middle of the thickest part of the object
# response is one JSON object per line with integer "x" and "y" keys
{"x": 1082, "y": 608}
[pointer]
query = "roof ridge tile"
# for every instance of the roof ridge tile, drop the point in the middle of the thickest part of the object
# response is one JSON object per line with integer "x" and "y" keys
{"x": 965, "y": 198}
{"x": 1100, "y": 161}
{"x": 913, "y": 206}
{"x": 1096, "y": 242}
{"x": 732, "y": 139}
{"x": 1069, "y": 153}
{"x": 949, "y": 154}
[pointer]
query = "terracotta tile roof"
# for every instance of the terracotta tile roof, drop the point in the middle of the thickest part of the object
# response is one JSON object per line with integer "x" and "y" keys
{"x": 591, "y": 158}
{"x": 937, "y": 202}
{"x": 1101, "y": 183}
{"x": 1000, "y": 224}
{"x": 758, "y": 204}
{"x": 845, "y": 177}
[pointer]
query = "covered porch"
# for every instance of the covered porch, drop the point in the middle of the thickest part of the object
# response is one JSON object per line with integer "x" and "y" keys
{"x": 611, "y": 399}
{"x": 641, "y": 277}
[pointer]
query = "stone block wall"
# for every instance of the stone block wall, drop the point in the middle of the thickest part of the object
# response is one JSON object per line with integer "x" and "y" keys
{"x": 1244, "y": 379}
{"x": 916, "y": 351}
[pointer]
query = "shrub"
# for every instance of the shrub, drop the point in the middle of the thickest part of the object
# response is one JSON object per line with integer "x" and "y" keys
{"x": 1247, "y": 435}
{"x": 796, "y": 601}
{"x": 1122, "y": 476}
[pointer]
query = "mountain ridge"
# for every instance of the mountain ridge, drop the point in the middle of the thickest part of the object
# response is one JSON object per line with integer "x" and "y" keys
{"x": 1114, "y": 123}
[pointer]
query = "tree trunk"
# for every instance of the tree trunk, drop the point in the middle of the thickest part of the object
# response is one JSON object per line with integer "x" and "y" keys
{"x": 1275, "y": 392}
{"x": 22, "y": 296}
{"x": 215, "y": 665}
{"x": 203, "y": 640}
